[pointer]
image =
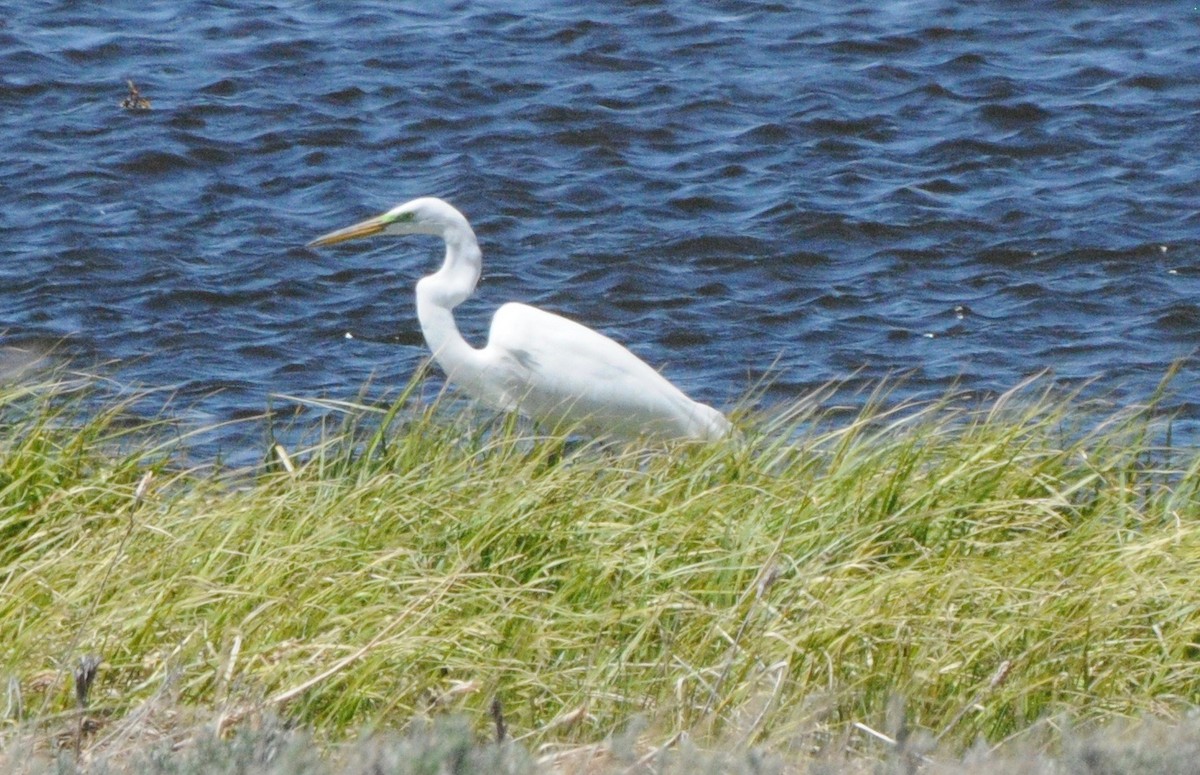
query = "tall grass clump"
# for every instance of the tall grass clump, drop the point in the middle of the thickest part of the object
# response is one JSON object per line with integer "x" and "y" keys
{"x": 993, "y": 565}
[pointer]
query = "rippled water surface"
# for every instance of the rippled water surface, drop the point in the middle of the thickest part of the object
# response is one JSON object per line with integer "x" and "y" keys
{"x": 964, "y": 192}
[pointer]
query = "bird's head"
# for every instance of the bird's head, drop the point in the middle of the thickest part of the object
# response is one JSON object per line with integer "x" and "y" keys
{"x": 427, "y": 215}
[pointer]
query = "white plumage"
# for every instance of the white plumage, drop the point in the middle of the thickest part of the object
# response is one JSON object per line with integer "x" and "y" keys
{"x": 547, "y": 367}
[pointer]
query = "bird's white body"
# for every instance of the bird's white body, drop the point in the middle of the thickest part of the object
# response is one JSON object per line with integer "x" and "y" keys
{"x": 549, "y": 368}
{"x": 559, "y": 372}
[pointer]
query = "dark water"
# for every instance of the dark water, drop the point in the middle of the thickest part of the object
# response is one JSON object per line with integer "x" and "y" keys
{"x": 964, "y": 192}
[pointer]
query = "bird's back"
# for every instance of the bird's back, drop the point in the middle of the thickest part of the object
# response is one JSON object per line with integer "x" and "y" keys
{"x": 558, "y": 371}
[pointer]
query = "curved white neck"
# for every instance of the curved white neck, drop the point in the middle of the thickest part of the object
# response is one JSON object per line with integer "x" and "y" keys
{"x": 439, "y": 293}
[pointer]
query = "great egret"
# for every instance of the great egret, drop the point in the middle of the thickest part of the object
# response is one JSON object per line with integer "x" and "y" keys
{"x": 551, "y": 369}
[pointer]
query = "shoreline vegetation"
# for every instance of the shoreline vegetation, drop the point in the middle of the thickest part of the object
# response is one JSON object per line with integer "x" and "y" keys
{"x": 944, "y": 586}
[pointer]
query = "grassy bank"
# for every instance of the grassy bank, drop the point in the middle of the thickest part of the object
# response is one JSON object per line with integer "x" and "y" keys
{"x": 996, "y": 566}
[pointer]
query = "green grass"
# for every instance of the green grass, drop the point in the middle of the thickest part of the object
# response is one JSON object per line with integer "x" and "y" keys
{"x": 996, "y": 566}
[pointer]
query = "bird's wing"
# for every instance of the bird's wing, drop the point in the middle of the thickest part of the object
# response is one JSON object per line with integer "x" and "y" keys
{"x": 557, "y": 370}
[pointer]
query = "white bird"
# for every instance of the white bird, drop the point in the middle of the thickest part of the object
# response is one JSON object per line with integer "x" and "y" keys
{"x": 551, "y": 369}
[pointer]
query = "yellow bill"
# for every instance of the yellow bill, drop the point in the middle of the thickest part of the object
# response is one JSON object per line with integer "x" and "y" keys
{"x": 367, "y": 228}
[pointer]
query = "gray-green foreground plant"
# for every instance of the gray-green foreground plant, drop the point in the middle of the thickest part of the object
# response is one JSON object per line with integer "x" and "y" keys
{"x": 449, "y": 746}
{"x": 995, "y": 566}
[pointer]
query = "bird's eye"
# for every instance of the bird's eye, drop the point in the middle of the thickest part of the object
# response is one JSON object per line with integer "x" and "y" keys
{"x": 389, "y": 218}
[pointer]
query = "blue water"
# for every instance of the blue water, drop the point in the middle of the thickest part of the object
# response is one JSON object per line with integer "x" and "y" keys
{"x": 965, "y": 193}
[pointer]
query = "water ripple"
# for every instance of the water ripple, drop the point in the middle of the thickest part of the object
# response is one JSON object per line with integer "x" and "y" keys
{"x": 961, "y": 193}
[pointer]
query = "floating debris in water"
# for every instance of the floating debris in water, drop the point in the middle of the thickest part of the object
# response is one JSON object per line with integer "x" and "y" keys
{"x": 135, "y": 100}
